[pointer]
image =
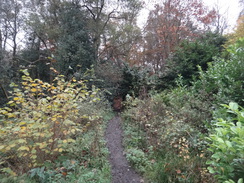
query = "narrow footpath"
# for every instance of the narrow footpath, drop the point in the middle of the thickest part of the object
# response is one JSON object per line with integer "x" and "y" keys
{"x": 121, "y": 170}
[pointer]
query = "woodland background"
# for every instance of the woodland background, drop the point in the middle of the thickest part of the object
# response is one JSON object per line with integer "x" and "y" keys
{"x": 180, "y": 77}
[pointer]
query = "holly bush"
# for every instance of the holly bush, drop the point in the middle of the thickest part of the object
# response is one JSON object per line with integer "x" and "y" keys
{"x": 41, "y": 120}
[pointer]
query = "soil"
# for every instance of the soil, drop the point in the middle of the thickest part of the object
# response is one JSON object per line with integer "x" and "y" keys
{"x": 122, "y": 172}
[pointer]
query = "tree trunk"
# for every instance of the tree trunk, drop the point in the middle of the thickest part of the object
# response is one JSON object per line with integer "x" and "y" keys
{"x": 1, "y": 41}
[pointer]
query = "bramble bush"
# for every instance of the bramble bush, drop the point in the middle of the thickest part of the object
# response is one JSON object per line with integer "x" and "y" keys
{"x": 41, "y": 121}
{"x": 171, "y": 146}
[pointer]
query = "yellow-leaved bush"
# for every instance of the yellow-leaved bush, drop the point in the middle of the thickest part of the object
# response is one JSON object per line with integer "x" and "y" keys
{"x": 41, "y": 120}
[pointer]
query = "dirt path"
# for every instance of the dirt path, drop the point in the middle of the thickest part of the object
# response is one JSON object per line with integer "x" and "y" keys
{"x": 121, "y": 171}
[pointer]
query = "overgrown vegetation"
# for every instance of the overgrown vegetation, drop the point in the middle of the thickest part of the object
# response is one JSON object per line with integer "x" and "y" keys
{"x": 227, "y": 146}
{"x": 63, "y": 63}
{"x": 49, "y": 132}
{"x": 165, "y": 134}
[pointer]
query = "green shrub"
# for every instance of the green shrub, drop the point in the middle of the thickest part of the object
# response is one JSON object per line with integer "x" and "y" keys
{"x": 137, "y": 159}
{"x": 188, "y": 56}
{"x": 227, "y": 146}
{"x": 224, "y": 79}
{"x": 137, "y": 81}
{"x": 42, "y": 121}
{"x": 163, "y": 139}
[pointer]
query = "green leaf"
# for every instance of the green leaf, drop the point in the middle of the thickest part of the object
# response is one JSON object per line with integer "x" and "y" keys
{"x": 9, "y": 171}
{"x": 21, "y": 141}
{"x": 238, "y": 124}
{"x": 25, "y": 71}
{"x": 240, "y": 180}
{"x": 220, "y": 140}
{"x": 216, "y": 156}
{"x": 229, "y": 181}
{"x": 209, "y": 162}
{"x": 242, "y": 114}
{"x": 33, "y": 151}
{"x": 233, "y": 106}
{"x": 228, "y": 143}
{"x": 211, "y": 170}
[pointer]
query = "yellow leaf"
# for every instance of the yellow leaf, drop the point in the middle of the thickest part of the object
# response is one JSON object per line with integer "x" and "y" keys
{"x": 7, "y": 148}
{"x": 24, "y": 83}
{"x": 12, "y": 145}
{"x": 22, "y": 123}
{"x": 3, "y": 112}
{"x": 10, "y": 102}
{"x": 23, "y": 128}
{"x": 8, "y": 109}
{"x": 50, "y": 140}
{"x": 60, "y": 150}
{"x": 43, "y": 145}
{"x": 33, "y": 89}
{"x": 54, "y": 119}
{"x": 11, "y": 115}
{"x": 23, "y": 148}
{"x": 73, "y": 131}
{"x": 71, "y": 140}
{"x": 16, "y": 98}
{"x": 65, "y": 141}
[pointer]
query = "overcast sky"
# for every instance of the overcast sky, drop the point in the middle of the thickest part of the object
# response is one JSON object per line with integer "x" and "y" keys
{"x": 229, "y": 8}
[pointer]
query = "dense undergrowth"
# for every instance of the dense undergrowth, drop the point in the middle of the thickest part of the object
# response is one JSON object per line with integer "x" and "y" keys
{"x": 54, "y": 132}
{"x": 184, "y": 134}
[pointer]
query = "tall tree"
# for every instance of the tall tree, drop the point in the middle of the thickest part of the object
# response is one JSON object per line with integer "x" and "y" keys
{"x": 170, "y": 23}
{"x": 11, "y": 20}
{"x": 58, "y": 29}
{"x": 104, "y": 22}
{"x": 191, "y": 54}
{"x": 239, "y": 29}
{"x": 108, "y": 19}
{"x": 74, "y": 46}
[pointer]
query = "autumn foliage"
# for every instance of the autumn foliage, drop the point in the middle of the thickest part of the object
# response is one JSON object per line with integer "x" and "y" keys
{"x": 169, "y": 24}
{"x": 41, "y": 121}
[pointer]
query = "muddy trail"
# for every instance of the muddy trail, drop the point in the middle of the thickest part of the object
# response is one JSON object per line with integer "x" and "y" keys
{"x": 121, "y": 170}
